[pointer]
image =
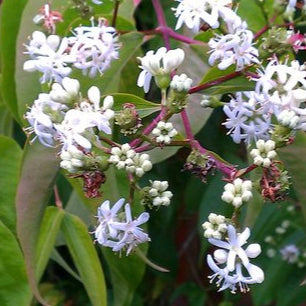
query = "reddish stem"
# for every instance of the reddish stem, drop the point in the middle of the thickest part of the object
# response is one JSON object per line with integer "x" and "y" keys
{"x": 215, "y": 82}
{"x": 161, "y": 21}
{"x": 187, "y": 125}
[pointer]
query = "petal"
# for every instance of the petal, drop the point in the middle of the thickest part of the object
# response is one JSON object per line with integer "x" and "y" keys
{"x": 256, "y": 273}
{"x": 219, "y": 243}
{"x": 231, "y": 260}
{"x": 243, "y": 237}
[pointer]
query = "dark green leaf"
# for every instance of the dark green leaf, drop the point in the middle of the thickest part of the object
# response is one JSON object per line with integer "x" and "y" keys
{"x": 38, "y": 171}
{"x": 85, "y": 258}
{"x": 14, "y": 288}
{"x": 143, "y": 106}
{"x": 10, "y": 159}
{"x": 9, "y": 27}
{"x": 49, "y": 229}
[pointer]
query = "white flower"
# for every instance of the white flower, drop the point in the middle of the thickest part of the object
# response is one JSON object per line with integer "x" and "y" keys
{"x": 43, "y": 116}
{"x": 195, "y": 14}
{"x": 232, "y": 257}
{"x": 160, "y": 63}
{"x": 72, "y": 159}
{"x": 232, "y": 49}
{"x": 126, "y": 158}
{"x": 94, "y": 47}
{"x": 264, "y": 153}
{"x": 164, "y": 132}
{"x": 238, "y": 192}
{"x": 65, "y": 92}
{"x": 290, "y": 253}
{"x": 118, "y": 233}
{"x": 49, "y": 56}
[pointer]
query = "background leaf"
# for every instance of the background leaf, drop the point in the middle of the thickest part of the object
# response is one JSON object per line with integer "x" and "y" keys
{"x": 38, "y": 171}
{"x": 14, "y": 288}
{"x": 9, "y": 27}
{"x": 85, "y": 258}
{"x": 10, "y": 160}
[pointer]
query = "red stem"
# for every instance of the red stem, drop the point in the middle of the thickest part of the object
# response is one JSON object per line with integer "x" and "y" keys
{"x": 161, "y": 21}
{"x": 215, "y": 82}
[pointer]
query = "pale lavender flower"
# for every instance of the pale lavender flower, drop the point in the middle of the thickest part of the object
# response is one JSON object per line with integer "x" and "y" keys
{"x": 232, "y": 256}
{"x": 94, "y": 47}
{"x": 118, "y": 230}
{"x": 247, "y": 118}
{"x": 290, "y": 253}
{"x": 233, "y": 49}
{"x": 43, "y": 116}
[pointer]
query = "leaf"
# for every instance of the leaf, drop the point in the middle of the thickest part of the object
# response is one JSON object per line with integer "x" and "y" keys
{"x": 9, "y": 27}
{"x": 14, "y": 288}
{"x": 49, "y": 229}
{"x": 143, "y": 106}
{"x": 10, "y": 160}
{"x": 238, "y": 83}
{"x": 85, "y": 258}
{"x": 56, "y": 256}
{"x": 294, "y": 160}
{"x": 38, "y": 171}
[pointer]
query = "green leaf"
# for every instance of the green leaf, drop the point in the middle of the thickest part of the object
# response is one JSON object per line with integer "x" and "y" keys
{"x": 9, "y": 27}
{"x": 238, "y": 83}
{"x": 49, "y": 229}
{"x": 85, "y": 258}
{"x": 143, "y": 106}
{"x": 38, "y": 171}
{"x": 294, "y": 161}
{"x": 10, "y": 159}
{"x": 14, "y": 288}
{"x": 56, "y": 256}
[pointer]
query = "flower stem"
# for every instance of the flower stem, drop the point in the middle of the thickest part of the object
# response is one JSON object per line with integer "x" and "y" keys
{"x": 161, "y": 21}
{"x": 215, "y": 82}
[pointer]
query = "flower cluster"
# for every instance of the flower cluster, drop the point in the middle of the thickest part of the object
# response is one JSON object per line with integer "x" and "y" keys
{"x": 228, "y": 261}
{"x": 238, "y": 192}
{"x": 91, "y": 49}
{"x": 215, "y": 227}
{"x": 234, "y": 48}
{"x": 126, "y": 158}
{"x": 53, "y": 121}
{"x": 195, "y": 14}
{"x": 119, "y": 231}
{"x": 157, "y": 194}
{"x": 164, "y": 132}
{"x": 280, "y": 91}
{"x": 264, "y": 153}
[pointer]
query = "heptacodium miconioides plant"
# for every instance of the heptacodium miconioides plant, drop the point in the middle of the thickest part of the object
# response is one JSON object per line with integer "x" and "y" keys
{"x": 264, "y": 117}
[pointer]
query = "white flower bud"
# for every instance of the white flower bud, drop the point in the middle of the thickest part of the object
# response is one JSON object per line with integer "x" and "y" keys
{"x": 108, "y": 102}
{"x": 220, "y": 256}
{"x": 94, "y": 95}
{"x": 253, "y": 250}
